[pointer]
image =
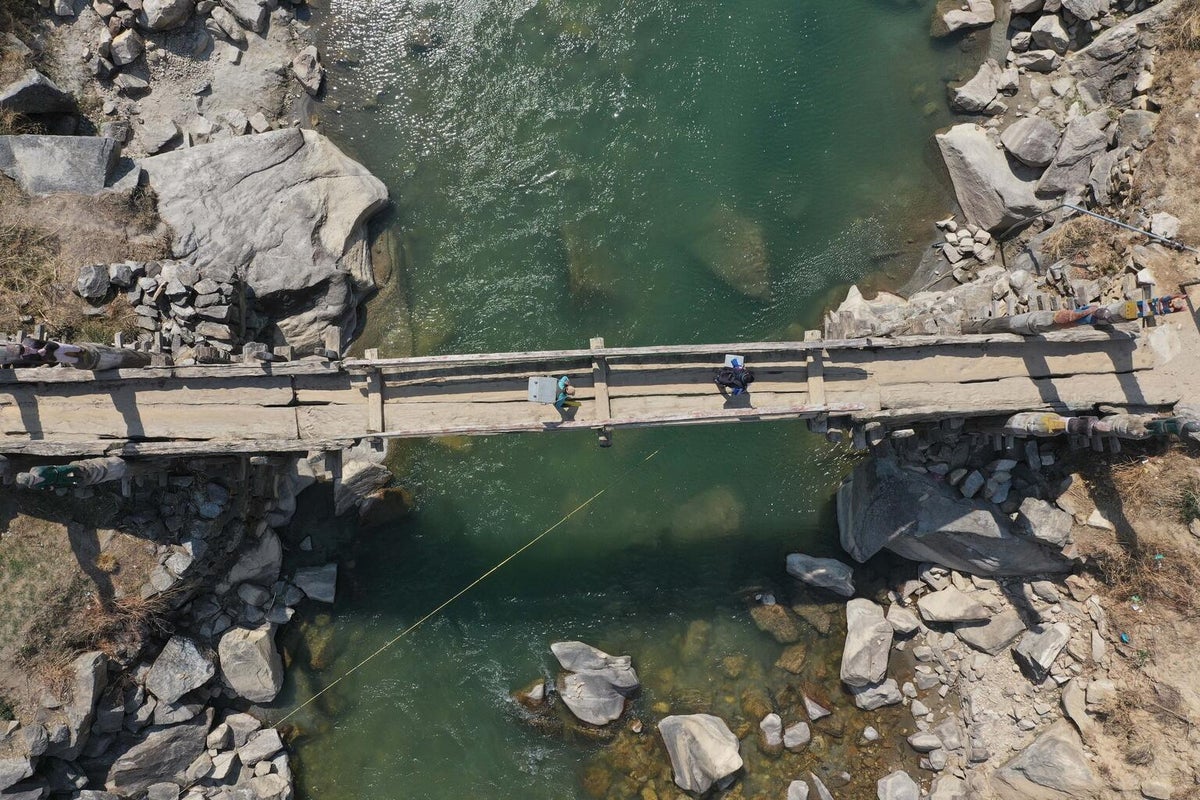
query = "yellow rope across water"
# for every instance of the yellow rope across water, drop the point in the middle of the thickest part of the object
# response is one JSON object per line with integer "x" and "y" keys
{"x": 464, "y": 590}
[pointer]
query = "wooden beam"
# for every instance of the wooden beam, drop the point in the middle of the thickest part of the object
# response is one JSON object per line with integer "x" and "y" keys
{"x": 816, "y": 378}
{"x": 600, "y": 380}
{"x": 375, "y": 422}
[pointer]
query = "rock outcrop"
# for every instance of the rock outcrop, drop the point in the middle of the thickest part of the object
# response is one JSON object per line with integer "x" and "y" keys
{"x": 881, "y": 505}
{"x": 703, "y": 750}
{"x": 290, "y": 220}
{"x": 993, "y": 191}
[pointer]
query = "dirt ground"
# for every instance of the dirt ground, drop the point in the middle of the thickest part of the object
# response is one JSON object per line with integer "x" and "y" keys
{"x": 68, "y": 587}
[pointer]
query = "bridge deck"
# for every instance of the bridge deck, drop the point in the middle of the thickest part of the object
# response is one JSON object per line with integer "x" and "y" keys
{"x": 312, "y": 404}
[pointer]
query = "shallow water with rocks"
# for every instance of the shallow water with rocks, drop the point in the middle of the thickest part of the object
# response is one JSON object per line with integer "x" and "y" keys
{"x": 652, "y": 173}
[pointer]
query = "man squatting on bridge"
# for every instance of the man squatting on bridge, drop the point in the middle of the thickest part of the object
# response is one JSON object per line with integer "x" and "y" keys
{"x": 38, "y": 353}
{"x": 1033, "y": 323}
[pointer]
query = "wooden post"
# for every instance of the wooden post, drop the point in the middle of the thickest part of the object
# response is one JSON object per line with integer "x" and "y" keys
{"x": 375, "y": 401}
{"x": 600, "y": 381}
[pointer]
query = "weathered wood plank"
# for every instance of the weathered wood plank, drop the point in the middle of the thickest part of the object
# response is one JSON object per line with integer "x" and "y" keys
{"x": 816, "y": 378}
{"x": 375, "y": 417}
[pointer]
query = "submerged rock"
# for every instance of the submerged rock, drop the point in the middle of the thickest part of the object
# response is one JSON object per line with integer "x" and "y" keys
{"x": 703, "y": 750}
{"x": 825, "y": 573}
{"x": 735, "y": 249}
{"x": 778, "y": 621}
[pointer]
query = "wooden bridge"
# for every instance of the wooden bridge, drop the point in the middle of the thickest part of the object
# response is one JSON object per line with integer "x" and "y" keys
{"x": 871, "y": 384}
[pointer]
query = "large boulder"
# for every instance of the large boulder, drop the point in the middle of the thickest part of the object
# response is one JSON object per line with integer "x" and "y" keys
{"x": 880, "y": 505}
{"x": 978, "y": 14}
{"x": 825, "y": 573}
{"x": 34, "y": 93}
{"x": 250, "y": 14}
{"x": 703, "y": 750}
{"x": 14, "y": 769}
{"x": 1053, "y": 767}
{"x": 868, "y": 644}
{"x": 318, "y": 583}
{"x": 250, "y": 663}
{"x": 1049, "y": 33}
{"x": 158, "y": 754}
{"x": 161, "y": 15}
{"x": 596, "y": 684}
{"x": 259, "y": 563}
{"x": 1031, "y": 140}
{"x": 44, "y": 165}
{"x": 1082, "y": 141}
{"x": 977, "y": 94}
{"x": 992, "y": 191}
{"x": 286, "y": 209}
{"x": 179, "y": 668}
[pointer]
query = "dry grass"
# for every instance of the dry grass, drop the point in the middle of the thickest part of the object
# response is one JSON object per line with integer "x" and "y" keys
{"x": 1165, "y": 486}
{"x": 1089, "y": 242}
{"x": 79, "y": 621}
{"x": 1182, "y": 30}
{"x": 44, "y": 241}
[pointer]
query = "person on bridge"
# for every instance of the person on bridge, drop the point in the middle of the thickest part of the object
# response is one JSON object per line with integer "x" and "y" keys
{"x": 734, "y": 377}
{"x": 565, "y": 392}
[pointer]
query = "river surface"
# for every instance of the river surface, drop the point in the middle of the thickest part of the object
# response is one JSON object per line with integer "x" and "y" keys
{"x": 650, "y": 172}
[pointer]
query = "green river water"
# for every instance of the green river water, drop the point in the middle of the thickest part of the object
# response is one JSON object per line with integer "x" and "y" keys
{"x": 650, "y": 172}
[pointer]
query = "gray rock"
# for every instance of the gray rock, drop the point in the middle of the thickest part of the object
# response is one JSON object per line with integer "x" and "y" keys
{"x": 162, "y": 791}
{"x": 157, "y": 135}
{"x": 992, "y": 192}
{"x": 1049, "y": 33}
{"x": 902, "y": 620}
{"x": 179, "y": 668}
{"x": 287, "y": 197}
{"x": 977, "y": 94}
{"x": 259, "y": 563}
{"x": 814, "y": 709}
{"x": 597, "y": 684}
{"x": 1031, "y": 140}
{"x": 44, "y": 165}
{"x": 34, "y": 93}
{"x": 924, "y": 742}
{"x": 14, "y": 769}
{"x": 93, "y": 283}
{"x": 881, "y": 505}
{"x": 161, "y": 15}
{"x": 318, "y": 583}
{"x": 1164, "y": 224}
{"x": 702, "y": 749}
{"x": 1053, "y": 767}
{"x": 223, "y": 24}
{"x": 1044, "y": 522}
{"x": 126, "y": 48}
{"x": 950, "y": 605}
{"x": 250, "y": 14}
{"x": 1068, "y": 173}
{"x": 1086, "y": 9}
{"x": 1038, "y": 60}
{"x": 250, "y": 664}
{"x": 242, "y": 726}
{"x": 1039, "y": 647}
{"x": 260, "y": 746}
{"x": 156, "y": 755}
{"x": 898, "y": 785}
{"x": 771, "y": 729}
{"x": 1136, "y": 128}
{"x": 360, "y": 479}
{"x": 822, "y": 792}
{"x": 797, "y": 790}
{"x": 992, "y": 635}
{"x": 797, "y": 736}
{"x": 885, "y": 693}
{"x": 271, "y": 787}
{"x": 868, "y": 644}
{"x": 307, "y": 68}
{"x": 825, "y": 573}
